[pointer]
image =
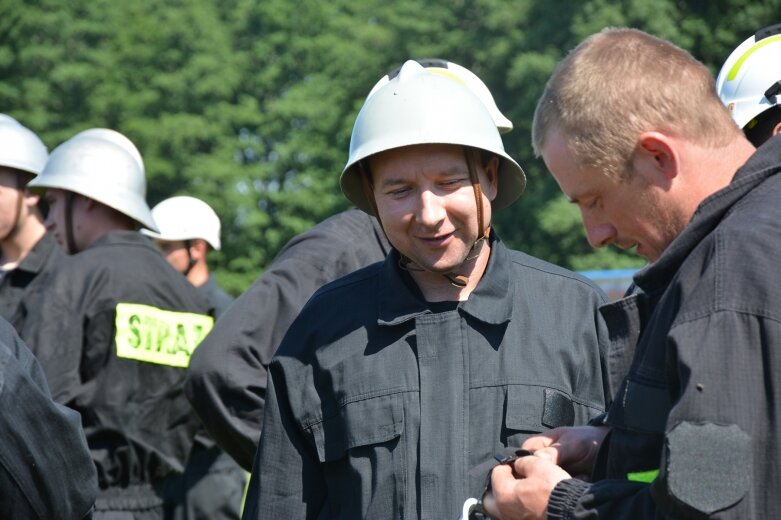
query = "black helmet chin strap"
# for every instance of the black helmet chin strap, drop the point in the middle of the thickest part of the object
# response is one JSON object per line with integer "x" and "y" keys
{"x": 190, "y": 260}
{"x": 461, "y": 280}
{"x": 456, "y": 279}
{"x": 69, "y": 237}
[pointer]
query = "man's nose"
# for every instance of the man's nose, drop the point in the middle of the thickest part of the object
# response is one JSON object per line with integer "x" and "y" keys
{"x": 431, "y": 209}
{"x": 599, "y": 234}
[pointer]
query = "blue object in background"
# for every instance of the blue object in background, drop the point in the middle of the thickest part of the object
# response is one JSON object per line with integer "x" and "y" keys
{"x": 614, "y": 282}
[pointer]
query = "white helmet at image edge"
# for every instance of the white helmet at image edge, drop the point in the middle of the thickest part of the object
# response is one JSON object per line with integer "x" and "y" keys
{"x": 750, "y": 80}
{"x": 185, "y": 218}
{"x": 418, "y": 107}
{"x": 102, "y": 166}
{"x": 464, "y": 76}
{"x": 20, "y": 148}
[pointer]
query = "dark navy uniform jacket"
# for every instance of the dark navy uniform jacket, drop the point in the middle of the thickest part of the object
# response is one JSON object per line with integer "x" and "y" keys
{"x": 45, "y": 468}
{"x": 217, "y": 298}
{"x": 696, "y": 423}
{"x": 114, "y": 329}
{"x": 227, "y": 375}
{"x": 379, "y": 408}
{"x": 28, "y": 276}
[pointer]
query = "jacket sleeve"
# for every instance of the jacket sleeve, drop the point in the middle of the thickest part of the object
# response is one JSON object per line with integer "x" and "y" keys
{"x": 227, "y": 376}
{"x": 45, "y": 467}
{"x": 286, "y": 478}
{"x": 718, "y": 445}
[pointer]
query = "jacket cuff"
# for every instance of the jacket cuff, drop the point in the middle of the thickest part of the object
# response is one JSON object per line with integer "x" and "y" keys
{"x": 564, "y": 498}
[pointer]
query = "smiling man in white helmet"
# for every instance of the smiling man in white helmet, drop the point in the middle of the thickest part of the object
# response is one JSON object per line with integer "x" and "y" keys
{"x": 115, "y": 325}
{"x": 228, "y": 373}
{"x": 397, "y": 380}
{"x": 27, "y": 252}
{"x": 749, "y": 84}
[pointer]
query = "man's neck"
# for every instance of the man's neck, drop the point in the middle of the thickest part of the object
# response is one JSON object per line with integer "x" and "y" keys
{"x": 713, "y": 169}
{"x": 20, "y": 242}
{"x": 198, "y": 274}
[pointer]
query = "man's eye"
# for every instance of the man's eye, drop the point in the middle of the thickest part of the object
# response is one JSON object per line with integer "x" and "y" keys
{"x": 399, "y": 192}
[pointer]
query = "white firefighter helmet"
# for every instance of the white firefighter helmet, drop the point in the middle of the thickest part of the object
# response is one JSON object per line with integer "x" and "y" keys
{"x": 462, "y": 75}
{"x": 20, "y": 148}
{"x": 185, "y": 218}
{"x": 102, "y": 166}
{"x": 115, "y": 137}
{"x": 418, "y": 107}
{"x": 750, "y": 80}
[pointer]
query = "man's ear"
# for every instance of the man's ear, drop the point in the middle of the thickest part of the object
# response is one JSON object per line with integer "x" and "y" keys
{"x": 198, "y": 249}
{"x": 776, "y": 129}
{"x": 31, "y": 199}
{"x": 491, "y": 169}
{"x": 657, "y": 158}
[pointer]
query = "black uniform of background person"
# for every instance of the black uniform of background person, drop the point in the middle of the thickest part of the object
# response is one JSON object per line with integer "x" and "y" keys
{"x": 226, "y": 379}
{"x": 45, "y": 468}
{"x": 29, "y": 276}
{"x": 212, "y": 485}
{"x": 217, "y": 298}
{"x": 138, "y": 423}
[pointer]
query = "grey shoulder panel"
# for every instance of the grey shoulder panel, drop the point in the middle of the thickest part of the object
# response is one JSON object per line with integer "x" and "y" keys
{"x": 709, "y": 466}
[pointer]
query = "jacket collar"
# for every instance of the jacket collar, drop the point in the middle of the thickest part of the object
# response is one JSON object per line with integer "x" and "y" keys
{"x": 490, "y": 302}
{"x": 36, "y": 259}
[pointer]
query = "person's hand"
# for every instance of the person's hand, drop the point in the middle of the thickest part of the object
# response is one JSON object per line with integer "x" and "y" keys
{"x": 525, "y": 496}
{"x": 573, "y": 448}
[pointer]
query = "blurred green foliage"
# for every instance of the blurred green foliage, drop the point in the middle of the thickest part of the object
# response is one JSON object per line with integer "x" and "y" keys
{"x": 249, "y": 105}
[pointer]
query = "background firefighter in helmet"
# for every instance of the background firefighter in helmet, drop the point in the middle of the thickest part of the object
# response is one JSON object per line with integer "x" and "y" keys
{"x": 212, "y": 485}
{"x": 227, "y": 376}
{"x": 397, "y": 379}
{"x": 749, "y": 84}
{"x": 27, "y": 251}
{"x": 45, "y": 467}
{"x": 115, "y": 325}
{"x": 189, "y": 228}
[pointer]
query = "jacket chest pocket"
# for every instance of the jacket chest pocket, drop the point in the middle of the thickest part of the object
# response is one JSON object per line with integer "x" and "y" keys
{"x": 362, "y": 452}
{"x": 533, "y": 409}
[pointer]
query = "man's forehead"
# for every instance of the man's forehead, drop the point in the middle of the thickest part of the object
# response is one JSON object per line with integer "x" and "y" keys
{"x": 444, "y": 158}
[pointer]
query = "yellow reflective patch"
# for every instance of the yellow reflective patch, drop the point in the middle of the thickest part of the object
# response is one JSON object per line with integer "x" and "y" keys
{"x": 643, "y": 476}
{"x": 446, "y": 73}
{"x": 733, "y": 72}
{"x": 152, "y": 335}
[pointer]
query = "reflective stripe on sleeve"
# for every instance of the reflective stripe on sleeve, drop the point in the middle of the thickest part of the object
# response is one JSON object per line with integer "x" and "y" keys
{"x": 643, "y": 476}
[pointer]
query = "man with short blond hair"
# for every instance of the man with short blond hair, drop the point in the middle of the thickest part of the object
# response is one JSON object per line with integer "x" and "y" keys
{"x": 692, "y": 431}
